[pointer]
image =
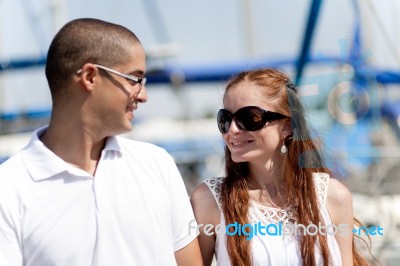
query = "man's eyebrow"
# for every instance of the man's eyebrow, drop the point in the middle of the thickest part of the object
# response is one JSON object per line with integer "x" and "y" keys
{"x": 136, "y": 73}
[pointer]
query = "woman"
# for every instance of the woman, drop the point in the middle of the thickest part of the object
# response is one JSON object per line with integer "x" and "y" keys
{"x": 275, "y": 180}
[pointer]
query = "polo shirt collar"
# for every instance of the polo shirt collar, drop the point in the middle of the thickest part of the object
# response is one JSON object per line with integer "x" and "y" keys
{"x": 42, "y": 163}
{"x": 112, "y": 144}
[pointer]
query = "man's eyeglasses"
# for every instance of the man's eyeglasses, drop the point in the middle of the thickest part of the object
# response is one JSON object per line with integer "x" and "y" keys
{"x": 132, "y": 79}
{"x": 249, "y": 118}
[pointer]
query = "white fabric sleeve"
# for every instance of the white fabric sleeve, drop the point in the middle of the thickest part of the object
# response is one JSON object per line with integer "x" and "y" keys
{"x": 182, "y": 217}
{"x": 10, "y": 251}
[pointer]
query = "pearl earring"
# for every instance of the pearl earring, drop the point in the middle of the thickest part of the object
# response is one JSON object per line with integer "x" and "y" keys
{"x": 284, "y": 149}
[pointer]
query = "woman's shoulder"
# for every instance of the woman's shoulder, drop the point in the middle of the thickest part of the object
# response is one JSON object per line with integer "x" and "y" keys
{"x": 339, "y": 201}
{"x": 205, "y": 204}
{"x": 201, "y": 192}
{"x": 338, "y": 193}
{"x": 330, "y": 189}
{"x": 208, "y": 189}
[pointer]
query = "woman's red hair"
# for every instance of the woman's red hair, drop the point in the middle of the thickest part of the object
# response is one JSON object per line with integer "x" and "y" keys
{"x": 301, "y": 161}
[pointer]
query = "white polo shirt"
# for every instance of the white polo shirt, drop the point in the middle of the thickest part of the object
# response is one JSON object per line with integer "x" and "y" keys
{"x": 134, "y": 211}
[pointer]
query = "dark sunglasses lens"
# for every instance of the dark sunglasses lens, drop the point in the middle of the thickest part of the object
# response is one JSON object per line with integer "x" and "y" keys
{"x": 224, "y": 121}
{"x": 250, "y": 118}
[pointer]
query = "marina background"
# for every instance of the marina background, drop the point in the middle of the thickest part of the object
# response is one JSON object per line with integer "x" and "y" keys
{"x": 350, "y": 83}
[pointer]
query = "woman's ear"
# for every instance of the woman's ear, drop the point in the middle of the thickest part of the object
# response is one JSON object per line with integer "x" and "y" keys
{"x": 286, "y": 129}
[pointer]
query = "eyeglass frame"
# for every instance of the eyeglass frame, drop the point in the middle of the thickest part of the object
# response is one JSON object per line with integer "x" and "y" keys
{"x": 140, "y": 81}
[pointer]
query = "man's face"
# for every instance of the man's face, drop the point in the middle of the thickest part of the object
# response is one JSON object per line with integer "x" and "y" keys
{"x": 119, "y": 96}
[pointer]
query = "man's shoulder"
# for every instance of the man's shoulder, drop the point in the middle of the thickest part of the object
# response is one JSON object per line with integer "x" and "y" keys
{"x": 14, "y": 164}
{"x": 125, "y": 142}
{"x": 142, "y": 148}
{"x": 13, "y": 173}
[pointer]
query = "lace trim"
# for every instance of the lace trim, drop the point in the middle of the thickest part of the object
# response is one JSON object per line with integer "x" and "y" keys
{"x": 266, "y": 214}
{"x": 272, "y": 215}
{"x": 321, "y": 181}
{"x": 214, "y": 184}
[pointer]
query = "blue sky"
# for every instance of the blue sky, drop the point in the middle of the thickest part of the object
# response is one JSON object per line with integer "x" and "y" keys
{"x": 203, "y": 32}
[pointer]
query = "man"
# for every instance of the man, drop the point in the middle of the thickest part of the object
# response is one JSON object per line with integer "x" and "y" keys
{"x": 78, "y": 195}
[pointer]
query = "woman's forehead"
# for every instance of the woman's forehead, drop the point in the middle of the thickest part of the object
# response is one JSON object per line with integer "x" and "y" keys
{"x": 245, "y": 94}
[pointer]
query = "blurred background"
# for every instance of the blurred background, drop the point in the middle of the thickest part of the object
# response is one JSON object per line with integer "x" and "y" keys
{"x": 344, "y": 56}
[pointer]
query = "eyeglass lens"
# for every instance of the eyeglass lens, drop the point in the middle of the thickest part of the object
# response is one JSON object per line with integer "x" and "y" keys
{"x": 249, "y": 118}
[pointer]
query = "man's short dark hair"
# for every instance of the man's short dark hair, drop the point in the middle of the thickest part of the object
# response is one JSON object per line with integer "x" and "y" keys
{"x": 83, "y": 41}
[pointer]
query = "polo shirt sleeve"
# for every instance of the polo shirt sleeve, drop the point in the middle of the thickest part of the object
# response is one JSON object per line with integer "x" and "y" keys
{"x": 10, "y": 252}
{"x": 182, "y": 217}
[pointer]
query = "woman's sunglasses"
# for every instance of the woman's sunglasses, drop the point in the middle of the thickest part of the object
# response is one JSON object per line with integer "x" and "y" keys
{"x": 249, "y": 118}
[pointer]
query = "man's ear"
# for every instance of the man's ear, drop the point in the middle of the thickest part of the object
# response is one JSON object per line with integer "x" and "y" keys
{"x": 286, "y": 129}
{"x": 88, "y": 75}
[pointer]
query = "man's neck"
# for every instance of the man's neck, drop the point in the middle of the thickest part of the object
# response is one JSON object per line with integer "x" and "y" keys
{"x": 75, "y": 145}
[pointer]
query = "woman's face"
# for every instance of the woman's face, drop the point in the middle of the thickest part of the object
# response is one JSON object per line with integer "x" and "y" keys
{"x": 252, "y": 146}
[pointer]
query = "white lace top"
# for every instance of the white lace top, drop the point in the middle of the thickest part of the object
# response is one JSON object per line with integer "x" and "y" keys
{"x": 276, "y": 246}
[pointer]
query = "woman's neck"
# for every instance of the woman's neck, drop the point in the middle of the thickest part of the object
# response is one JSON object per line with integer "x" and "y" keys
{"x": 266, "y": 185}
